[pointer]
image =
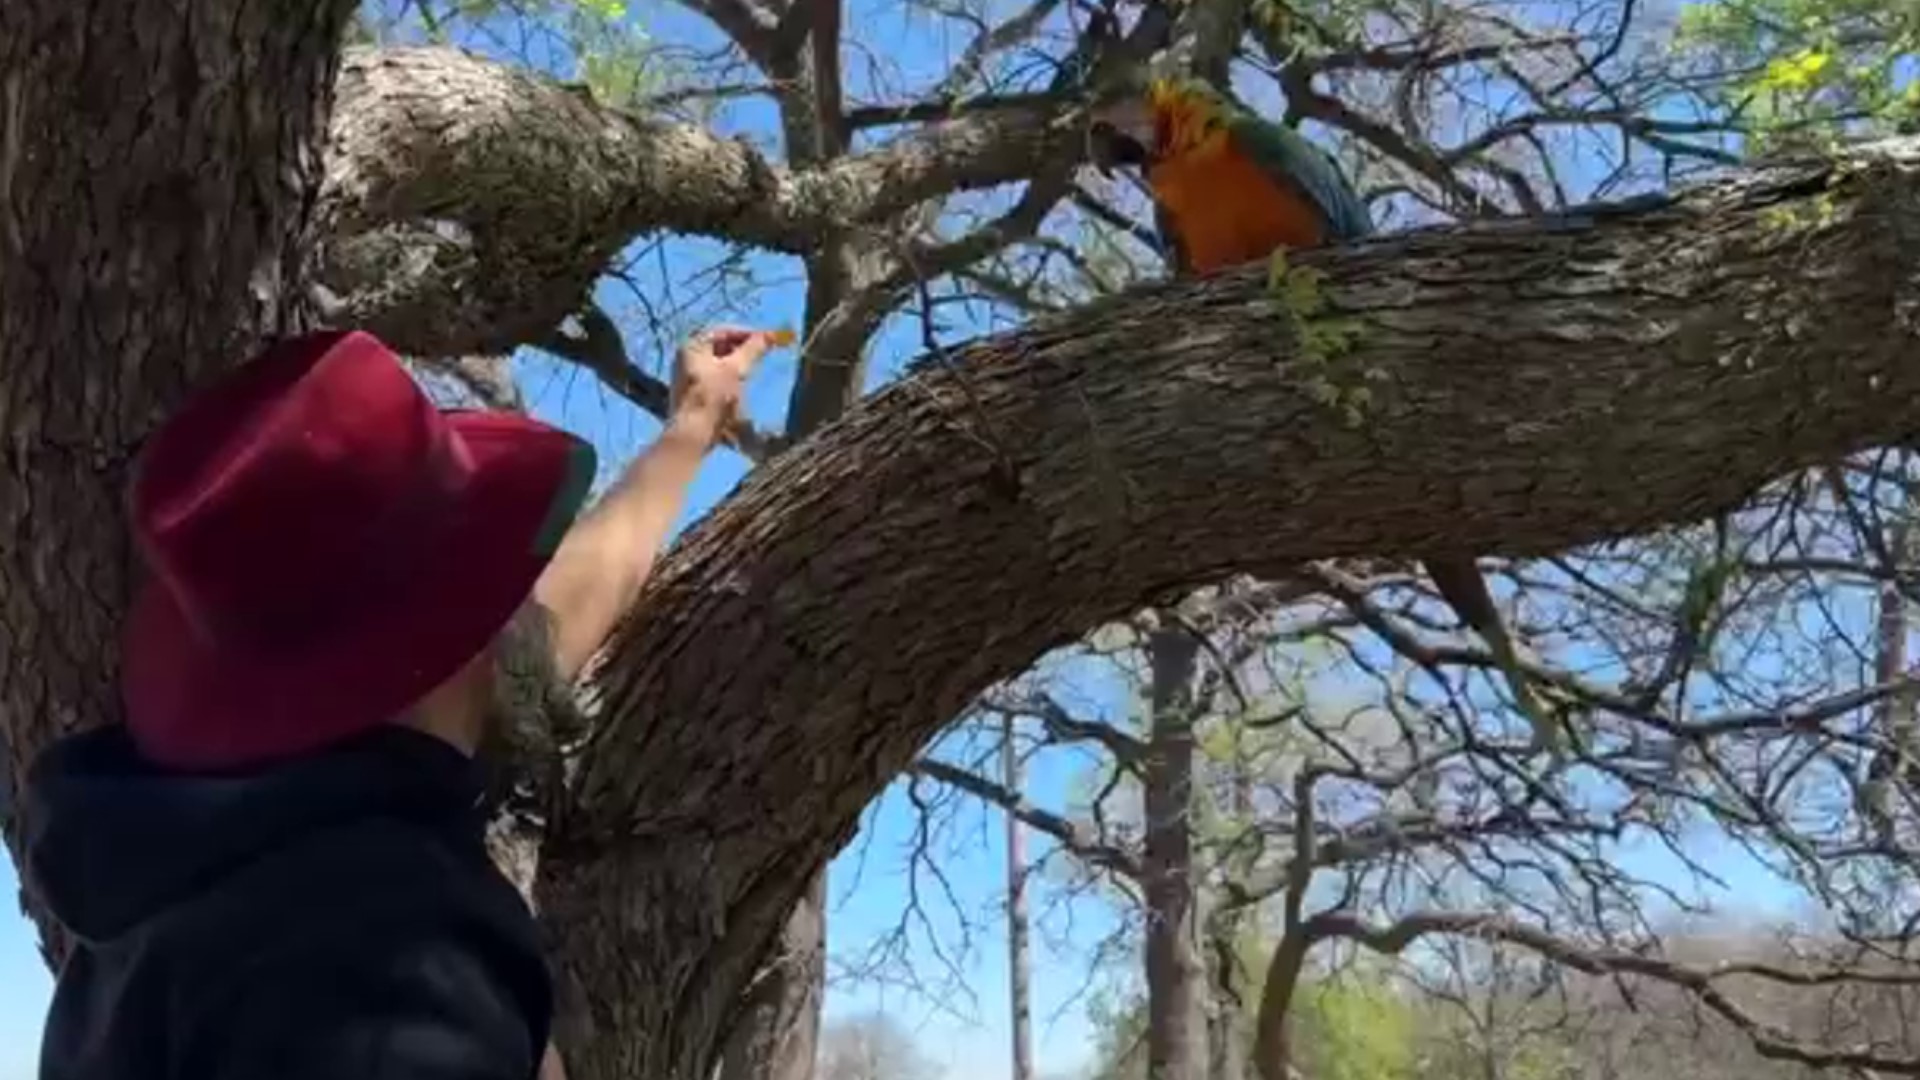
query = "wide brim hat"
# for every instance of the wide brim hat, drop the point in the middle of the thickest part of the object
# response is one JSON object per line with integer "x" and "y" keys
{"x": 327, "y": 547}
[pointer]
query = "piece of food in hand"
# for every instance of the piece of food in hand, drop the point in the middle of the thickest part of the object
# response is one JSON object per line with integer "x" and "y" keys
{"x": 724, "y": 344}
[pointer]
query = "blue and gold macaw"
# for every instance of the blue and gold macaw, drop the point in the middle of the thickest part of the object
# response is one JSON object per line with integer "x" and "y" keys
{"x": 1231, "y": 188}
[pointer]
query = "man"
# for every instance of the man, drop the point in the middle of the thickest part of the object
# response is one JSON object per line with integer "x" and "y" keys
{"x": 275, "y": 869}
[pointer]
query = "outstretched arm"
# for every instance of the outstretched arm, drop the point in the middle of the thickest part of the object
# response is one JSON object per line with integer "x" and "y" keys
{"x": 603, "y": 561}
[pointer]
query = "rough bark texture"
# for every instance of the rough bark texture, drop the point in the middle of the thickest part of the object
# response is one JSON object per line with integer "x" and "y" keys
{"x": 803, "y": 642}
{"x": 778, "y": 1033}
{"x": 1176, "y": 977}
{"x": 1226, "y": 1015}
{"x": 1273, "y": 1042}
{"x": 157, "y": 163}
{"x": 1226, "y": 927}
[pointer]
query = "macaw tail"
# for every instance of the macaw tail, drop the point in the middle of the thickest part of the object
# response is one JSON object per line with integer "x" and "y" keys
{"x": 1459, "y": 583}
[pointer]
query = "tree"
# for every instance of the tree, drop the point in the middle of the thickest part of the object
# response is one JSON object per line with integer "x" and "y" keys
{"x": 173, "y": 189}
{"x": 871, "y": 1047}
{"x": 1353, "y": 1025}
{"x": 1811, "y": 70}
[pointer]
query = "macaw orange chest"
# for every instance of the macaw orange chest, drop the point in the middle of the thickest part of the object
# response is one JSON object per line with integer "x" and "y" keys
{"x": 1227, "y": 210}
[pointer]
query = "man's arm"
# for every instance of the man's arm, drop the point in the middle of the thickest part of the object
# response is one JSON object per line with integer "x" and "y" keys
{"x": 605, "y": 559}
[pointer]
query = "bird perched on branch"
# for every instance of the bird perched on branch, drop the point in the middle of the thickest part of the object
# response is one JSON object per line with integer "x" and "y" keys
{"x": 1232, "y": 187}
{"x": 1229, "y": 188}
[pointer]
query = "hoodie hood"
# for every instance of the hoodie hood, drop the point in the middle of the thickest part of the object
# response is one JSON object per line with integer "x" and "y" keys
{"x": 112, "y": 842}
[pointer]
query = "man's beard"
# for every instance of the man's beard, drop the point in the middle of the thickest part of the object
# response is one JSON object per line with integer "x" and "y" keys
{"x": 529, "y": 716}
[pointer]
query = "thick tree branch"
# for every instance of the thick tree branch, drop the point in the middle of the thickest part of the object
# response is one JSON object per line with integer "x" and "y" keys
{"x": 799, "y": 647}
{"x": 477, "y": 204}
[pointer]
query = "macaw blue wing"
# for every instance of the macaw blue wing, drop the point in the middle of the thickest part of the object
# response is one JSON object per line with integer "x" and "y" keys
{"x": 1310, "y": 170}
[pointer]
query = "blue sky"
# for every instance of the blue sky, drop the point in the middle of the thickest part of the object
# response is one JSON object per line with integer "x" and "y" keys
{"x": 869, "y": 888}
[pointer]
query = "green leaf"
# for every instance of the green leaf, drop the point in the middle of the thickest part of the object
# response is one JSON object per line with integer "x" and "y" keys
{"x": 1807, "y": 72}
{"x": 1801, "y": 71}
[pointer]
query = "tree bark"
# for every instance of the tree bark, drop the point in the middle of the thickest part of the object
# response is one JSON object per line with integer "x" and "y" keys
{"x": 1176, "y": 977}
{"x": 1227, "y": 1018}
{"x": 157, "y": 167}
{"x": 777, "y": 1037}
{"x": 1225, "y": 930}
{"x": 1273, "y": 1041}
{"x": 1891, "y": 770}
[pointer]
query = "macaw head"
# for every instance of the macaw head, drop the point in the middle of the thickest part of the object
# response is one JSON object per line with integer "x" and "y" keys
{"x": 1172, "y": 117}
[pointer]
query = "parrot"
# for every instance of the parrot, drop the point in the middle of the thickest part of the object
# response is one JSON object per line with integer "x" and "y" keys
{"x": 1230, "y": 187}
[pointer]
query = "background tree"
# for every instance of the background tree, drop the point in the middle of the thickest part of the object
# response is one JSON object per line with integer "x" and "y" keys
{"x": 871, "y": 1047}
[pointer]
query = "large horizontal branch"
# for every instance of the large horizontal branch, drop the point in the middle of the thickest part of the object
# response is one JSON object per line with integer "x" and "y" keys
{"x": 1532, "y": 386}
{"x": 474, "y": 204}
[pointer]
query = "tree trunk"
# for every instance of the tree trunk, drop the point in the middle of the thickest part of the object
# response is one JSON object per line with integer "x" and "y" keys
{"x": 158, "y": 164}
{"x": 778, "y": 1035}
{"x": 1176, "y": 978}
{"x": 1273, "y": 1042}
{"x": 1888, "y": 787}
{"x": 1019, "y": 969}
{"x": 1227, "y": 1015}
{"x": 479, "y": 201}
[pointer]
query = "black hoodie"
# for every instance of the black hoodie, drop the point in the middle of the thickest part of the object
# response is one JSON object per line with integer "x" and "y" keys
{"x": 336, "y": 917}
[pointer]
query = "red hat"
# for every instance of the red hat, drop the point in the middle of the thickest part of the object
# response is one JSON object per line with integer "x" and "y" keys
{"x": 326, "y": 547}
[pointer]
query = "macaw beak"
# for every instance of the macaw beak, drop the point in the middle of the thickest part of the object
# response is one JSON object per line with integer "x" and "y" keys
{"x": 1121, "y": 136}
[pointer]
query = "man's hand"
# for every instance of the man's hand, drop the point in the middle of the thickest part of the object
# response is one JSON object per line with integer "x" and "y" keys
{"x": 607, "y": 555}
{"x": 709, "y": 376}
